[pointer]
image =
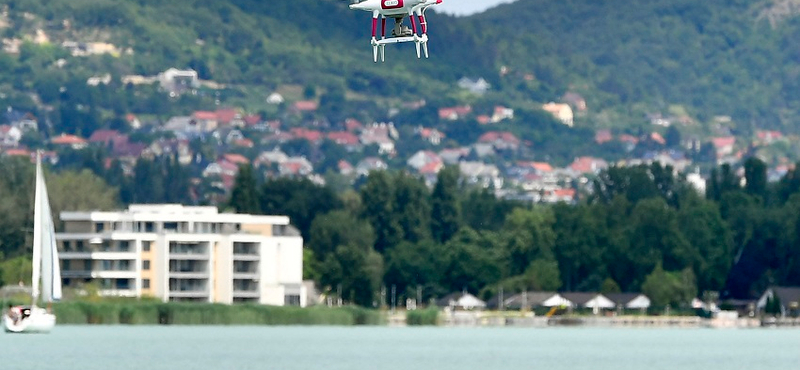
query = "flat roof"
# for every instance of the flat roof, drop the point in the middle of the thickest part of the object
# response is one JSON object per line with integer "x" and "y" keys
{"x": 173, "y": 213}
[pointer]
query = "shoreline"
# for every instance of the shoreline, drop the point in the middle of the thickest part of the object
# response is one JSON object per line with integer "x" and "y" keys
{"x": 522, "y": 320}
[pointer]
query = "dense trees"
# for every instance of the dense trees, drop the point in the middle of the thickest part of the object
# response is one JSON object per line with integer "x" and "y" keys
{"x": 673, "y": 244}
{"x": 643, "y": 229}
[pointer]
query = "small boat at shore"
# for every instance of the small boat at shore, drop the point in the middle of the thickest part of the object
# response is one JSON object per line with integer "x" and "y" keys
{"x": 46, "y": 278}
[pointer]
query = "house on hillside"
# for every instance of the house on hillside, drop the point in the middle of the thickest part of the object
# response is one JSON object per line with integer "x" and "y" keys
{"x": 583, "y": 165}
{"x": 454, "y": 113}
{"x": 424, "y": 158}
{"x": 369, "y": 164}
{"x": 453, "y": 156}
{"x": 10, "y": 135}
{"x": 724, "y": 145}
{"x": 603, "y": 136}
{"x": 304, "y": 106}
{"x": 176, "y": 81}
{"x": 106, "y": 138}
{"x": 575, "y": 100}
{"x": 502, "y": 113}
{"x": 500, "y": 140}
{"x": 431, "y": 135}
{"x": 71, "y": 141}
{"x": 275, "y": 99}
{"x": 381, "y": 134}
{"x": 481, "y": 174}
{"x": 479, "y": 86}
{"x": 347, "y": 139}
{"x": 296, "y": 167}
{"x": 312, "y": 136}
{"x": 562, "y": 112}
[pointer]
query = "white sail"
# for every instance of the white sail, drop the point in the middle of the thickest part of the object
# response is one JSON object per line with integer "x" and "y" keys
{"x": 45, "y": 253}
{"x": 51, "y": 271}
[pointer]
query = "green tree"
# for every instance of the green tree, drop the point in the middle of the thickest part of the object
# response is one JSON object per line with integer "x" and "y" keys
{"x": 300, "y": 199}
{"x": 80, "y": 191}
{"x": 529, "y": 237}
{"x": 670, "y": 288}
{"x": 473, "y": 262}
{"x": 581, "y": 239}
{"x": 412, "y": 204}
{"x": 445, "y": 212}
{"x": 702, "y": 225}
{"x": 244, "y": 195}
{"x": 379, "y": 208}
{"x": 335, "y": 228}
{"x": 755, "y": 174}
{"x": 356, "y": 271}
{"x": 413, "y": 265}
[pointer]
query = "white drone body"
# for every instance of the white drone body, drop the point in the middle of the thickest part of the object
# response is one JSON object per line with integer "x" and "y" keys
{"x": 398, "y": 10}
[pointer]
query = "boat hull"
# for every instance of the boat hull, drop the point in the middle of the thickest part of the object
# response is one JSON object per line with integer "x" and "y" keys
{"x": 40, "y": 321}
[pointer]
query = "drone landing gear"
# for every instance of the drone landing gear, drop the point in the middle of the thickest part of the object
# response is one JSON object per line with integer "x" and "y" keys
{"x": 400, "y": 34}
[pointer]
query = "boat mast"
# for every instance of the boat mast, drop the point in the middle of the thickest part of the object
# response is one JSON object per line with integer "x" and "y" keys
{"x": 37, "y": 233}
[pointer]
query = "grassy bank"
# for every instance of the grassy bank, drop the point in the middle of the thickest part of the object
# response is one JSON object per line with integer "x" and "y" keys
{"x": 428, "y": 316}
{"x": 154, "y": 313}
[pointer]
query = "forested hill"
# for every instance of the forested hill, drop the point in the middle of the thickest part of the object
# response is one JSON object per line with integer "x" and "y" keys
{"x": 238, "y": 41}
{"x": 716, "y": 57}
{"x": 736, "y": 58}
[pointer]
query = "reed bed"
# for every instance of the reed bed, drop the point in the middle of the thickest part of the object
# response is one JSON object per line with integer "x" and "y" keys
{"x": 153, "y": 313}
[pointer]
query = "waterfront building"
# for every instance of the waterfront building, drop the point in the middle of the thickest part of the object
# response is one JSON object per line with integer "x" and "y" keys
{"x": 181, "y": 253}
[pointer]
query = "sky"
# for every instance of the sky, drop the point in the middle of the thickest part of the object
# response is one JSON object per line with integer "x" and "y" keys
{"x": 467, "y": 7}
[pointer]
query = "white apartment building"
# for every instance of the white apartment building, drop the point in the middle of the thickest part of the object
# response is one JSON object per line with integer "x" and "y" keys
{"x": 182, "y": 253}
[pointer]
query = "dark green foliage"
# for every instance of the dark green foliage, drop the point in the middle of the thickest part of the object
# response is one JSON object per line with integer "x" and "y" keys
{"x": 244, "y": 195}
{"x": 446, "y": 211}
{"x": 300, "y": 199}
{"x": 379, "y": 207}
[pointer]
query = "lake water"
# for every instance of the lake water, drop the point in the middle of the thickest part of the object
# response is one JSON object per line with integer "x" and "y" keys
{"x": 386, "y": 348}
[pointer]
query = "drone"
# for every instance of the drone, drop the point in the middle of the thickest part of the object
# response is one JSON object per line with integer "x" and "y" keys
{"x": 398, "y": 10}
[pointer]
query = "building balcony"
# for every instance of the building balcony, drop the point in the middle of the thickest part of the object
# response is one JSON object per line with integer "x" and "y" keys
{"x": 115, "y": 274}
{"x": 246, "y": 275}
{"x": 246, "y": 257}
{"x": 130, "y": 293}
{"x": 76, "y": 273}
{"x": 188, "y": 256}
{"x": 188, "y": 274}
{"x": 245, "y": 294}
{"x": 188, "y": 294}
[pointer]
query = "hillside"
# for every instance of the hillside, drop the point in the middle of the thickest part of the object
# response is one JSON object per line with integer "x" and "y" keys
{"x": 734, "y": 58}
{"x": 672, "y": 57}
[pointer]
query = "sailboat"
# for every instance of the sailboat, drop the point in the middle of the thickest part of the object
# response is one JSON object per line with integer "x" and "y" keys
{"x": 46, "y": 270}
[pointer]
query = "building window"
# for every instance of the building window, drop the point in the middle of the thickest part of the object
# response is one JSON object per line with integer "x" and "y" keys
{"x": 123, "y": 284}
{"x": 145, "y": 283}
{"x": 65, "y": 265}
{"x": 98, "y": 227}
{"x": 67, "y": 246}
{"x": 291, "y": 300}
{"x": 79, "y": 245}
{"x": 148, "y": 227}
{"x": 146, "y": 246}
{"x": 124, "y": 246}
{"x": 146, "y": 265}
